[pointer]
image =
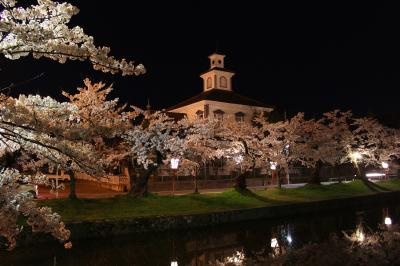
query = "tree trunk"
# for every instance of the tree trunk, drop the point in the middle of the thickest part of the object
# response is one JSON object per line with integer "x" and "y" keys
{"x": 337, "y": 173}
{"x": 196, "y": 189}
{"x": 139, "y": 184}
{"x": 315, "y": 176}
{"x": 240, "y": 182}
{"x": 72, "y": 185}
{"x": 279, "y": 172}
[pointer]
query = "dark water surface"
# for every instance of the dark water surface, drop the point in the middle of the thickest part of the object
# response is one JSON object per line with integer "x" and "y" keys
{"x": 205, "y": 246}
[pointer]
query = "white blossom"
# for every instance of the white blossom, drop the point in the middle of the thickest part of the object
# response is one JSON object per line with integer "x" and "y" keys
{"x": 43, "y": 31}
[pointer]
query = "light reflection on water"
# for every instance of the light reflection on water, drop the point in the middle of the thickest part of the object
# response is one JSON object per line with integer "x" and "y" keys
{"x": 231, "y": 244}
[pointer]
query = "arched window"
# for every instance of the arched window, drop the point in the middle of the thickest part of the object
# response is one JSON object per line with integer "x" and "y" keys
{"x": 219, "y": 115}
{"x": 209, "y": 83}
{"x": 199, "y": 114}
{"x": 223, "y": 82}
{"x": 239, "y": 117}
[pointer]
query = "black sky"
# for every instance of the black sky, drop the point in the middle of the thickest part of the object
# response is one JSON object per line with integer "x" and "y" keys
{"x": 299, "y": 57}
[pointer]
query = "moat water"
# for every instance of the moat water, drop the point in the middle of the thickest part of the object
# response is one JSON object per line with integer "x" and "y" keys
{"x": 204, "y": 246}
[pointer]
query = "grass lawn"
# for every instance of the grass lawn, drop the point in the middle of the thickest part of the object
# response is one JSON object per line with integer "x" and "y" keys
{"x": 154, "y": 205}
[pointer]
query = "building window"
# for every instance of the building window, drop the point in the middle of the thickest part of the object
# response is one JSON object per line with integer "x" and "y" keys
{"x": 239, "y": 117}
{"x": 219, "y": 115}
{"x": 199, "y": 114}
{"x": 209, "y": 83}
{"x": 223, "y": 82}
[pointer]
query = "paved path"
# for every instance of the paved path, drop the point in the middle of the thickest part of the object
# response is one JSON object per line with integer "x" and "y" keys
{"x": 87, "y": 189}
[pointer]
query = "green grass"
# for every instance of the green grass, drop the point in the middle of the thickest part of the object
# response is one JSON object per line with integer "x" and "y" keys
{"x": 315, "y": 192}
{"x": 153, "y": 205}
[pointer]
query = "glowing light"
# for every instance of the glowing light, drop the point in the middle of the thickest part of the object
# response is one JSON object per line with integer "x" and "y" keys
{"x": 388, "y": 221}
{"x": 237, "y": 258}
{"x": 238, "y": 159}
{"x": 356, "y": 155}
{"x": 359, "y": 235}
{"x": 174, "y": 263}
{"x": 374, "y": 174}
{"x": 273, "y": 165}
{"x": 174, "y": 163}
{"x": 289, "y": 239}
{"x": 385, "y": 165}
{"x": 274, "y": 243}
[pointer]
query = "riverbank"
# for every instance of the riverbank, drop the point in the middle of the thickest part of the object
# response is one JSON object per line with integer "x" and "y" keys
{"x": 88, "y": 218}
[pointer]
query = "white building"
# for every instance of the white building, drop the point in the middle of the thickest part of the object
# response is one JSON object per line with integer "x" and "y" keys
{"x": 218, "y": 100}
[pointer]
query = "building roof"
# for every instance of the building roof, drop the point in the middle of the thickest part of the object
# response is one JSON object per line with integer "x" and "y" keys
{"x": 218, "y": 68}
{"x": 221, "y": 96}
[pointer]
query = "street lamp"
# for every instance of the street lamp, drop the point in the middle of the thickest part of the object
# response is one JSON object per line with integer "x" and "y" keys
{"x": 354, "y": 157}
{"x": 388, "y": 220}
{"x": 238, "y": 160}
{"x": 286, "y": 150}
{"x": 274, "y": 243}
{"x": 174, "y": 166}
{"x": 272, "y": 166}
{"x": 174, "y": 263}
{"x": 385, "y": 167}
{"x": 289, "y": 239}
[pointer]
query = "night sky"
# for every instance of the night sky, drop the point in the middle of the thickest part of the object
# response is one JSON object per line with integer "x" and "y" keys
{"x": 297, "y": 57}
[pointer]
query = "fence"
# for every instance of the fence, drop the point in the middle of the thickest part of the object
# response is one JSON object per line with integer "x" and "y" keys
{"x": 113, "y": 182}
{"x": 217, "y": 177}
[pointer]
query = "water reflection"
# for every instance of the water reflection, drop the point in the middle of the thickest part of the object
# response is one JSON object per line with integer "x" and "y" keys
{"x": 233, "y": 244}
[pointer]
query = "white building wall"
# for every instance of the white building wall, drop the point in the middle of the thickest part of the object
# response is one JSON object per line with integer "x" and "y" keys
{"x": 229, "y": 109}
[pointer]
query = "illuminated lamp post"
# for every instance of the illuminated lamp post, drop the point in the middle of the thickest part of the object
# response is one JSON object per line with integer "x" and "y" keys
{"x": 385, "y": 167}
{"x": 286, "y": 152}
{"x": 272, "y": 166}
{"x": 174, "y": 167}
{"x": 355, "y": 156}
{"x": 387, "y": 220}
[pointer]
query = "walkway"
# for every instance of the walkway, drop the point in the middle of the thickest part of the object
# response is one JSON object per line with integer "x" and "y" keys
{"x": 86, "y": 189}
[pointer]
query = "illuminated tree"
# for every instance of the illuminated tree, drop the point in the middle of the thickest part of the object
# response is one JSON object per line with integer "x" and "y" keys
{"x": 42, "y": 30}
{"x": 152, "y": 140}
{"x": 373, "y": 143}
{"x": 71, "y": 135}
{"x": 240, "y": 143}
{"x": 283, "y": 141}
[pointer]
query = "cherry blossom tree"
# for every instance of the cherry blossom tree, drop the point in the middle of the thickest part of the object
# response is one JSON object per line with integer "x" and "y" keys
{"x": 200, "y": 146}
{"x": 15, "y": 204}
{"x": 373, "y": 143}
{"x": 237, "y": 143}
{"x": 153, "y": 140}
{"x": 42, "y": 30}
{"x": 338, "y": 139}
{"x": 27, "y": 129}
{"x": 99, "y": 123}
{"x": 282, "y": 141}
{"x": 72, "y": 135}
{"x": 240, "y": 143}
